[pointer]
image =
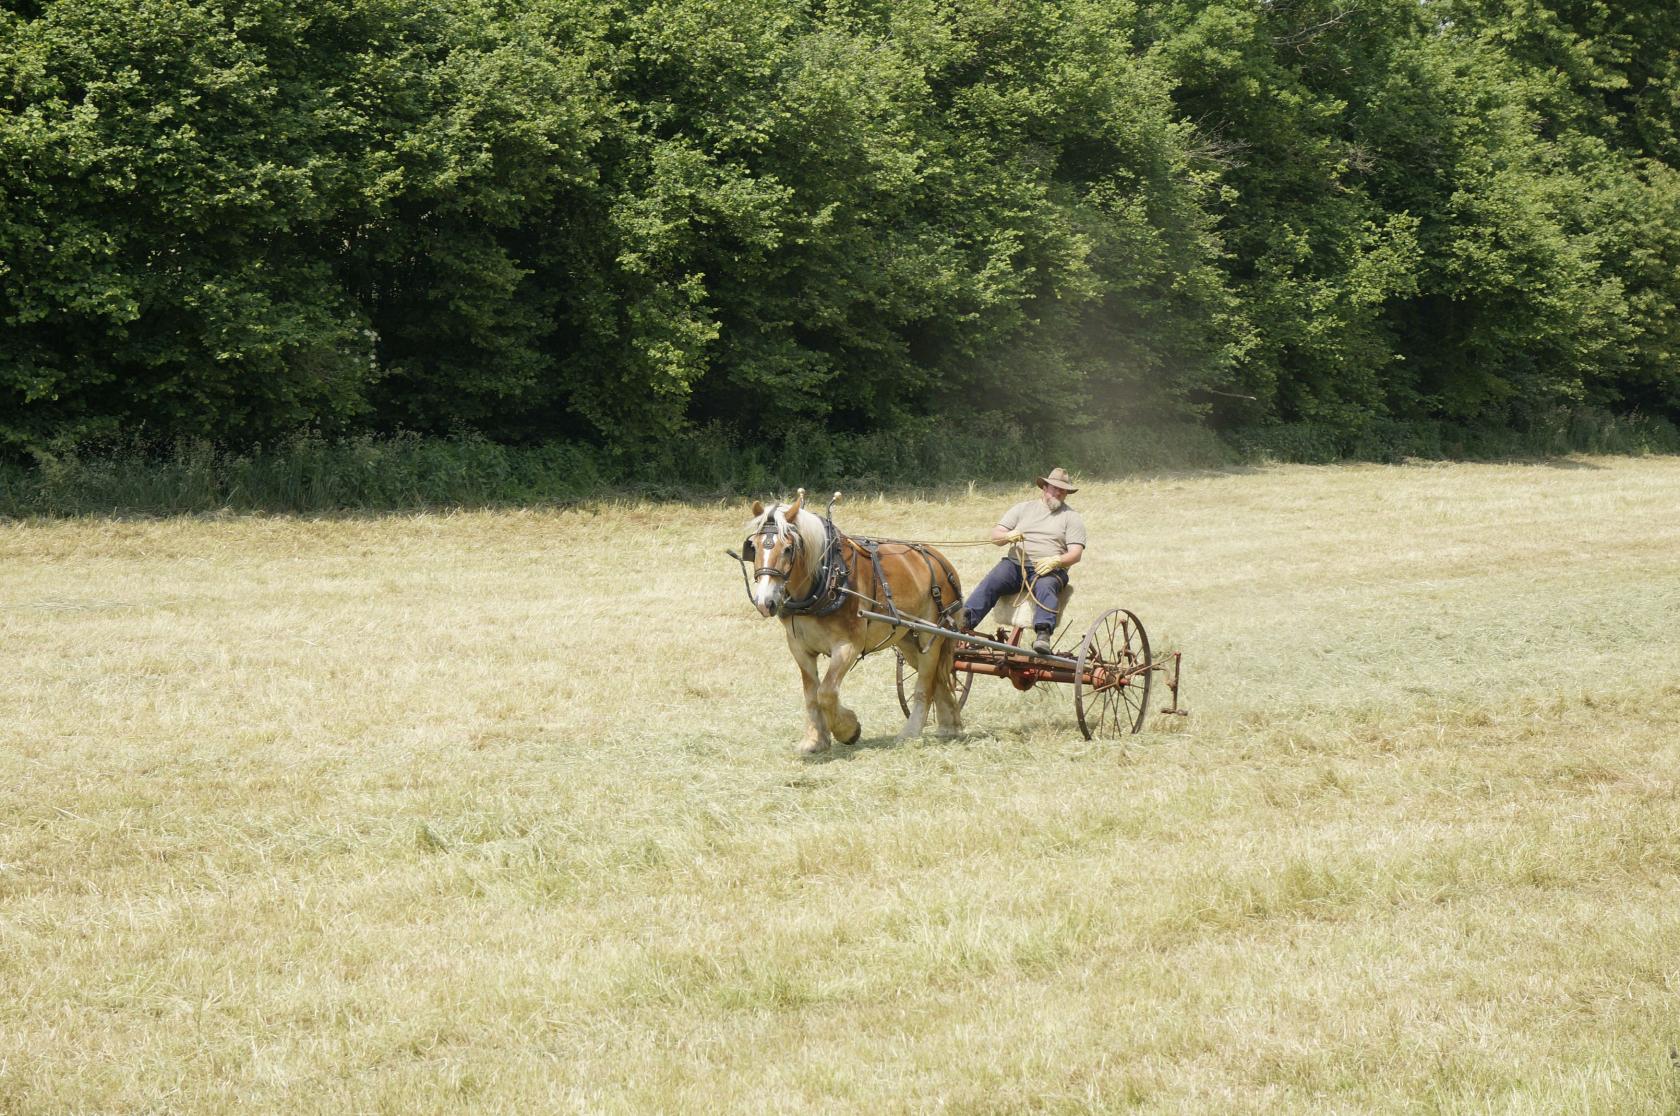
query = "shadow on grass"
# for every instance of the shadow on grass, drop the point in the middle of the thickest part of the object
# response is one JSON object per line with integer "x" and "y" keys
{"x": 837, "y": 752}
{"x": 887, "y": 742}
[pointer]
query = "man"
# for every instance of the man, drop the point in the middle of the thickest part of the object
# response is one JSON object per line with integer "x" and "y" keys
{"x": 1048, "y": 537}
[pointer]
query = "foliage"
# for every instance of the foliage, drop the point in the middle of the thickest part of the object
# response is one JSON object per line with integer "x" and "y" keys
{"x": 618, "y": 225}
{"x": 1428, "y": 221}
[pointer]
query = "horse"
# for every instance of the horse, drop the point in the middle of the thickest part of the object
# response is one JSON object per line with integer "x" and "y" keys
{"x": 816, "y": 580}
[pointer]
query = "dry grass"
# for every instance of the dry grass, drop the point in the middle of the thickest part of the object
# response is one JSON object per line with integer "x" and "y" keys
{"x": 441, "y": 813}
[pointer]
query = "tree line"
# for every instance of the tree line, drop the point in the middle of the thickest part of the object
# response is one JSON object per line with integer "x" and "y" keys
{"x": 610, "y": 223}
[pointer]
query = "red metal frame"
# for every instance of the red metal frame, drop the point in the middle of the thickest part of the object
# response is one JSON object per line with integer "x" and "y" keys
{"x": 1003, "y": 657}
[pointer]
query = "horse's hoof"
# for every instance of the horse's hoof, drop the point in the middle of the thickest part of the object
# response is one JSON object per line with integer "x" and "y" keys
{"x": 812, "y": 747}
{"x": 857, "y": 734}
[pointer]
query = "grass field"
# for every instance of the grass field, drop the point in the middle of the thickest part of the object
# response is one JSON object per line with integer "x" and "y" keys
{"x": 501, "y": 812}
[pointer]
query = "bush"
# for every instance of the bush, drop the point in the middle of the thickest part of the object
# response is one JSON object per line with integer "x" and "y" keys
{"x": 1582, "y": 430}
{"x": 310, "y": 475}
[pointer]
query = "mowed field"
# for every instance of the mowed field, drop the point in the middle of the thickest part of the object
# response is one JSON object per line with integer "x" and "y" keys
{"x": 500, "y": 811}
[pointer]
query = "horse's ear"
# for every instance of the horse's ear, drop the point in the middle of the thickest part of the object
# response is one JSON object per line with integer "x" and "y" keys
{"x": 793, "y": 509}
{"x": 758, "y": 507}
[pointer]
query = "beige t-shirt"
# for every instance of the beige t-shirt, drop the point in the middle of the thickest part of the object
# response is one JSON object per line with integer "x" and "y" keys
{"x": 1048, "y": 532}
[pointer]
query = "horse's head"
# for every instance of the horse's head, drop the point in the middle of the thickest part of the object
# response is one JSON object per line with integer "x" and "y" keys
{"x": 776, "y": 549}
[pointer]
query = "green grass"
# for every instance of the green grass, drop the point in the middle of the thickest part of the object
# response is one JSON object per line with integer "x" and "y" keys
{"x": 442, "y": 813}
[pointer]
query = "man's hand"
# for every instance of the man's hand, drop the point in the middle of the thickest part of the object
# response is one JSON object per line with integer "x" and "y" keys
{"x": 1044, "y": 565}
{"x": 1015, "y": 537}
{"x": 1004, "y": 536}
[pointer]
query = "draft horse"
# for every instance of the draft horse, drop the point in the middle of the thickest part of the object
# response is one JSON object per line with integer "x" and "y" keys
{"x": 816, "y": 579}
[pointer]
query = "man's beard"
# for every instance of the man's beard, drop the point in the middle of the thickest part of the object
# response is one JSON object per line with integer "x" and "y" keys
{"x": 1053, "y": 503}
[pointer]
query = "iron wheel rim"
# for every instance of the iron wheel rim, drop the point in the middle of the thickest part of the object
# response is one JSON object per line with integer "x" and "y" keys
{"x": 1115, "y": 641}
{"x": 962, "y": 681}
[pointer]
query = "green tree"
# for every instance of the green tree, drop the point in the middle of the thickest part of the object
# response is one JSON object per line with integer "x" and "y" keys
{"x": 1600, "y": 86}
{"x": 160, "y": 207}
{"x": 863, "y": 213}
{"x": 1281, "y": 94}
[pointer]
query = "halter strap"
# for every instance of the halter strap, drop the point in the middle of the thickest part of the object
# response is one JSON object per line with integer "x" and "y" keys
{"x": 796, "y": 541}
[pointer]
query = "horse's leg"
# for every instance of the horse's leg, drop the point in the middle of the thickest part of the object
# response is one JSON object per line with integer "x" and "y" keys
{"x": 933, "y": 687}
{"x": 842, "y": 722}
{"x": 816, "y": 733}
{"x": 919, "y": 696}
{"x": 944, "y": 693}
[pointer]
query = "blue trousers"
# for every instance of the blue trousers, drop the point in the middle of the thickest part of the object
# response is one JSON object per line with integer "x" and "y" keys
{"x": 1004, "y": 580}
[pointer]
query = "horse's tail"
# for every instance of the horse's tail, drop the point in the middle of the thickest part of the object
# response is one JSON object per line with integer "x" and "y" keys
{"x": 945, "y": 669}
{"x": 950, "y": 598}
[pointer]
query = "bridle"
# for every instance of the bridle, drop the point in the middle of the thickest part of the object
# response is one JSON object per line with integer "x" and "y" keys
{"x": 828, "y": 583}
{"x": 771, "y": 531}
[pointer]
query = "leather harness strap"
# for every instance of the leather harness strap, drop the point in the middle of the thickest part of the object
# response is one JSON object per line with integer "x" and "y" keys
{"x": 829, "y": 585}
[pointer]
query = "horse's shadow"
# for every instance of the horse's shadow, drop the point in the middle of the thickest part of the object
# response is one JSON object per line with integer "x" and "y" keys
{"x": 883, "y": 743}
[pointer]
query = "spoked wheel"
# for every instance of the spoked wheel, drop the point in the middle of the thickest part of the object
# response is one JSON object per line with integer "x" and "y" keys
{"x": 1111, "y": 682}
{"x": 961, "y": 682}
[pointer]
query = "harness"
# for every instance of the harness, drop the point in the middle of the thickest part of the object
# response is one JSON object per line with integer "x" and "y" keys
{"x": 942, "y": 611}
{"x": 829, "y": 586}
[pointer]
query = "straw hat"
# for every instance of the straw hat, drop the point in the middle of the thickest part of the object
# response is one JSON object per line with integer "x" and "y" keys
{"x": 1058, "y": 477}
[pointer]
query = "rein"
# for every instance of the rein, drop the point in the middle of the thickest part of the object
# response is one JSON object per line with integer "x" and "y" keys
{"x": 936, "y": 542}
